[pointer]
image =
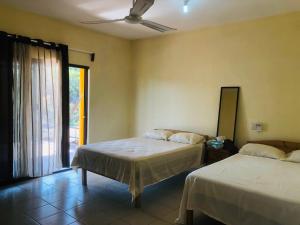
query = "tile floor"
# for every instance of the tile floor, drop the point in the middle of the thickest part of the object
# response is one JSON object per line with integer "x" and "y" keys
{"x": 60, "y": 199}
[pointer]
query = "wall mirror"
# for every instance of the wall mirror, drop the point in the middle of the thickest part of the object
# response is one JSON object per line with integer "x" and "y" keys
{"x": 228, "y": 112}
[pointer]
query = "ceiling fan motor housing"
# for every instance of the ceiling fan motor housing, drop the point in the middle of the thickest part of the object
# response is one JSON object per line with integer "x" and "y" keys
{"x": 133, "y": 19}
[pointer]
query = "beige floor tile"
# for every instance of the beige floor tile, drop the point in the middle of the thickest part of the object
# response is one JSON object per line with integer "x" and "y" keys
{"x": 57, "y": 219}
{"x": 42, "y": 212}
{"x": 136, "y": 217}
{"x": 67, "y": 203}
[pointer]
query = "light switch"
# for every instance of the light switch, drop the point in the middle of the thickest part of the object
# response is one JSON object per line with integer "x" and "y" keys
{"x": 257, "y": 126}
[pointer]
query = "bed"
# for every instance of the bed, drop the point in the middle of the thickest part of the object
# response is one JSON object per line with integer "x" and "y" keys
{"x": 245, "y": 190}
{"x": 137, "y": 162}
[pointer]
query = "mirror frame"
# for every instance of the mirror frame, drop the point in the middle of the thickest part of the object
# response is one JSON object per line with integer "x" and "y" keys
{"x": 236, "y": 110}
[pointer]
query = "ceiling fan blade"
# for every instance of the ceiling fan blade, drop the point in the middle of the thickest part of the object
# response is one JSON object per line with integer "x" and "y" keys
{"x": 140, "y": 7}
{"x": 101, "y": 21}
{"x": 156, "y": 26}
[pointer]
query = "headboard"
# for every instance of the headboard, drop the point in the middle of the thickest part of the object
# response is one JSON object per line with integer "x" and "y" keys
{"x": 177, "y": 131}
{"x": 286, "y": 146}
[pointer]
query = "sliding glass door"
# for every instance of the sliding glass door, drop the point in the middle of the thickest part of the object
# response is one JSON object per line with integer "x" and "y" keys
{"x": 78, "y": 89}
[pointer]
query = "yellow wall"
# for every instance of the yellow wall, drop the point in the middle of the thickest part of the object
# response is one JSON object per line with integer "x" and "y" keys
{"x": 178, "y": 78}
{"x": 110, "y": 74}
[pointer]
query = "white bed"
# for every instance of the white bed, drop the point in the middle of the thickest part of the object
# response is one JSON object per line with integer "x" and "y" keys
{"x": 138, "y": 161}
{"x": 244, "y": 190}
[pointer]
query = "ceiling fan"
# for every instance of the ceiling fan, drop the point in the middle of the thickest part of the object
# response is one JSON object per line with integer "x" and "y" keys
{"x": 139, "y": 7}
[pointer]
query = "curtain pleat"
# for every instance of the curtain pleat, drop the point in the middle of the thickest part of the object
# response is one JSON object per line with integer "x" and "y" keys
{"x": 21, "y": 87}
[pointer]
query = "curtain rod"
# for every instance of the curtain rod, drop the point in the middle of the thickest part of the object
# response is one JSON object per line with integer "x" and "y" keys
{"x": 92, "y": 54}
{"x": 32, "y": 40}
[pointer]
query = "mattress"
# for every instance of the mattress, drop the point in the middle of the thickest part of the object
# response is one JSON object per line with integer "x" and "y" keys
{"x": 138, "y": 161}
{"x": 245, "y": 190}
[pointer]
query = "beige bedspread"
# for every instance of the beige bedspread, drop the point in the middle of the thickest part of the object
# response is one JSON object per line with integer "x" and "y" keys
{"x": 245, "y": 190}
{"x": 138, "y": 161}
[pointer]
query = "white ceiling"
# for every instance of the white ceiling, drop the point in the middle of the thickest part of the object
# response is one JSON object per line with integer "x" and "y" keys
{"x": 202, "y": 13}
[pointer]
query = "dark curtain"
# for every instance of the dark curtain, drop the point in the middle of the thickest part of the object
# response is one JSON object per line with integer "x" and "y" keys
{"x": 65, "y": 106}
{"x": 6, "y": 118}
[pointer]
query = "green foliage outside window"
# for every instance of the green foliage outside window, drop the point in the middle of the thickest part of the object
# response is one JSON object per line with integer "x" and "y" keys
{"x": 74, "y": 75}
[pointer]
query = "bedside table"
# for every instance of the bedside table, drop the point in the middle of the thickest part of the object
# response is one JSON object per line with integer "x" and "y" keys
{"x": 213, "y": 155}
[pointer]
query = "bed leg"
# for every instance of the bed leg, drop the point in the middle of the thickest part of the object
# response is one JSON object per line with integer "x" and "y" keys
{"x": 84, "y": 177}
{"x": 137, "y": 201}
{"x": 189, "y": 217}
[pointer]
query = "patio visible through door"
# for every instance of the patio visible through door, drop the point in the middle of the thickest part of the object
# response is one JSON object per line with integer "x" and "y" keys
{"x": 78, "y": 106}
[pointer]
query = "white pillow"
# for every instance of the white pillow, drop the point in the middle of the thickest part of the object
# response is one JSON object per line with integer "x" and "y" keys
{"x": 158, "y": 134}
{"x": 187, "y": 138}
{"x": 262, "y": 151}
{"x": 294, "y": 156}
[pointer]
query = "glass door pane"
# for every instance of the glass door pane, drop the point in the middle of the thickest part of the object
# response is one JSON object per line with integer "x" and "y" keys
{"x": 77, "y": 108}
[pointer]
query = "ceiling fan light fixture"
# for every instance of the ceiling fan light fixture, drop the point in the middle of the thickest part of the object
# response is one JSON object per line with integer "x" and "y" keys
{"x": 185, "y": 6}
{"x": 185, "y": 9}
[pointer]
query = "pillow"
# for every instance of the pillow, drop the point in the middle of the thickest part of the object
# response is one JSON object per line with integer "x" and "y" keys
{"x": 187, "y": 138}
{"x": 261, "y": 150}
{"x": 158, "y": 134}
{"x": 294, "y": 156}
